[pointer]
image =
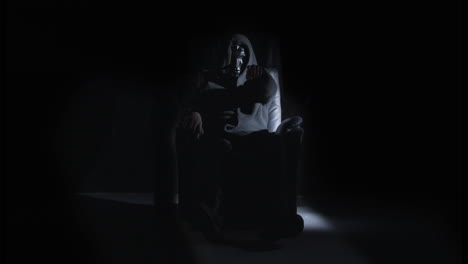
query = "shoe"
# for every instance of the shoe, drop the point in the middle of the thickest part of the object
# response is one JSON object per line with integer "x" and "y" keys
{"x": 209, "y": 223}
{"x": 283, "y": 229}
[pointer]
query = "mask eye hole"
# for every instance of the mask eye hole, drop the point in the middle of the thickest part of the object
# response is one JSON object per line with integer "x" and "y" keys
{"x": 238, "y": 50}
{"x": 235, "y": 47}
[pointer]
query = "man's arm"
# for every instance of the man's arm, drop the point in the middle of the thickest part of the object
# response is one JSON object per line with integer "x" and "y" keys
{"x": 258, "y": 88}
{"x": 190, "y": 117}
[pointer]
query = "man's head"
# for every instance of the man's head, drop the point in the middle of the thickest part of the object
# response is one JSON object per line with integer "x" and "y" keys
{"x": 239, "y": 58}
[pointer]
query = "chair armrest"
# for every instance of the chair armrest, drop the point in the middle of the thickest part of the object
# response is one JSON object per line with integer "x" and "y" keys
{"x": 289, "y": 124}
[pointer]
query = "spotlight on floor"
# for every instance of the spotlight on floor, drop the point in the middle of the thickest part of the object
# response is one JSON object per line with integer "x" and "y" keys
{"x": 313, "y": 221}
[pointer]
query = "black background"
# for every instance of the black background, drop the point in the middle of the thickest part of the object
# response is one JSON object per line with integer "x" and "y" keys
{"x": 378, "y": 85}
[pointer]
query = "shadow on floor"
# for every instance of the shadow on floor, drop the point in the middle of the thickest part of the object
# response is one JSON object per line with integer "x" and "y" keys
{"x": 126, "y": 229}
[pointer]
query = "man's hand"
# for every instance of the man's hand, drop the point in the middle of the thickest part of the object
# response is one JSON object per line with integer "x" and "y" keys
{"x": 193, "y": 122}
{"x": 253, "y": 72}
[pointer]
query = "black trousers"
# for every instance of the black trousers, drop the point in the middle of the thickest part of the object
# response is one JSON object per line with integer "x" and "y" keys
{"x": 253, "y": 174}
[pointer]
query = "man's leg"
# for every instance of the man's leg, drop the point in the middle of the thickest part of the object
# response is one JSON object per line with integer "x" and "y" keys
{"x": 212, "y": 168}
{"x": 287, "y": 222}
{"x": 186, "y": 163}
{"x": 250, "y": 187}
{"x": 203, "y": 184}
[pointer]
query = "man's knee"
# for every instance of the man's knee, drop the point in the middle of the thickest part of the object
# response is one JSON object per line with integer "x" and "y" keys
{"x": 216, "y": 145}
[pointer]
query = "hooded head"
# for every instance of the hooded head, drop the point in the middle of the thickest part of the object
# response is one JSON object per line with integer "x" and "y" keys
{"x": 239, "y": 55}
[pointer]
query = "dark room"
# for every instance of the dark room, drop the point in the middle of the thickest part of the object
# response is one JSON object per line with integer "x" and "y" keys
{"x": 231, "y": 132}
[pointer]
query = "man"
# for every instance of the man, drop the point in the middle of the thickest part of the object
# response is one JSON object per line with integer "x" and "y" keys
{"x": 233, "y": 108}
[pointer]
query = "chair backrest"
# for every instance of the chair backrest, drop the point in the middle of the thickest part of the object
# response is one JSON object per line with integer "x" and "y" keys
{"x": 274, "y": 106}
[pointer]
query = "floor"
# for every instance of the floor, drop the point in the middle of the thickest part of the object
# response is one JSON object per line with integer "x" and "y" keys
{"x": 124, "y": 228}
